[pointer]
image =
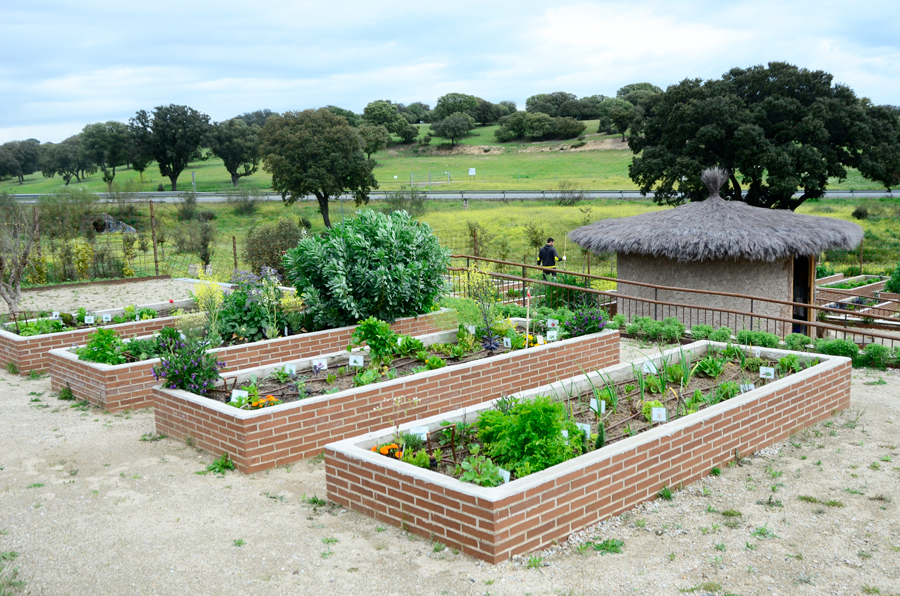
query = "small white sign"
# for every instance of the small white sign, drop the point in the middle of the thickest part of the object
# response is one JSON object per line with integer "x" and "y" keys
{"x": 565, "y": 435}
{"x": 321, "y": 364}
{"x": 507, "y": 343}
{"x": 585, "y": 428}
{"x": 420, "y": 431}
{"x": 552, "y": 323}
{"x": 54, "y": 315}
{"x": 400, "y": 341}
{"x": 540, "y": 340}
{"x": 470, "y": 329}
{"x": 471, "y": 171}
{"x": 766, "y": 372}
{"x": 747, "y": 387}
{"x": 756, "y": 352}
{"x": 504, "y": 474}
{"x": 356, "y": 360}
{"x": 552, "y": 335}
{"x": 601, "y": 407}
{"x": 649, "y": 367}
{"x": 88, "y": 319}
{"x": 107, "y": 318}
{"x": 290, "y": 369}
{"x": 236, "y": 394}
{"x": 659, "y": 415}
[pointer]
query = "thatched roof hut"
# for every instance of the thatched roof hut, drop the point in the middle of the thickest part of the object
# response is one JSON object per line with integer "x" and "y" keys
{"x": 720, "y": 245}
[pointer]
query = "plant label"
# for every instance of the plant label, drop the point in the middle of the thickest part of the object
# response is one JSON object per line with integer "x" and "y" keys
{"x": 290, "y": 369}
{"x": 357, "y": 360}
{"x": 585, "y": 428}
{"x": 400, "y": 341}
{"x": 470, "y": 329}
{"x": 659, "y": 415}
{"x": 507, "y": 343}
{"x": 321, "y": 364}
{"x": 540, "y": 340}
{"x": 552, "y": 323}
{"x": 420, "y": 431}
{"x": 565, "y": 435}
{"x": 747, "y": 387}
{"x": 54, "y": 315}
{"x": 766, "y": 372}
{"x": 107, "y": 318}
{"x": 183, "y": 336}
{"x": 552, "y": 335}
{"x": 756, "y": 352}
{"x": 504, "y": 474}
{"x": 599, "y": 408}
{"x": 88, "y": 319}
{"x": 649, "y": 367}
{"x": 237, "y": 394}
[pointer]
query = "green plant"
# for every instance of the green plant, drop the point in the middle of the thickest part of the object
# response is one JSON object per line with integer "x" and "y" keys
{"x": 797, "y": 342}
{"x": 528, "y": 438}
{"x": 366, "y": 377}
{"x": 789, "y": 363}
{"x": 763, "y": 532}
{"x": 386, "y": 266}
{"x": 609, "y": 546}
{"x": 893, "y": 284}
{"x": 712, "y": 366}
{"x": 753, "y": 364}
{"x": 266, "y": 244}
{"x": 12, "y": 368}
{"x": 219, "y": 466}
{"x": 239, "y": 542}
{"x": 647, "y": 409}
{"x": 837, "y": 347}
{"x": 722, "y": 334}
{"x": 419, "y": 458}
{"x": 715, "y": 472}
{"x": 757, "y": 338}
{"x": 104, "y": 346}
{"x": 480, "y": 470}
{"x": 726, "y": 391}
{"x": 188, "y": 366}
{"x": 874, "y": 355}
{"x": 152, "y": 437}
{"x": 701, "y": 331}
{"x": 534, "y": 562}
{"x": 665, "y": 493}
{"x": 435, "y": 362}
{"x": 376, "y": 334}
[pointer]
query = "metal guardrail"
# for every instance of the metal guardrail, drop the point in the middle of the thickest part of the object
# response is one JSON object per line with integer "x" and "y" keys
{"x": 457, "y": 195}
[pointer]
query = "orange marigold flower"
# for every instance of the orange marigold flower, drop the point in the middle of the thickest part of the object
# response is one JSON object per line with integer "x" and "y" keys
{"x": 384, "y": 450}
{"x": 254, "y": 404}
{"x": 270, "y": 397}
{"x": 399, "y": 454}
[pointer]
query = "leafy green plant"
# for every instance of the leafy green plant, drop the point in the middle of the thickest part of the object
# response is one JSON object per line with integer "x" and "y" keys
{"x": 712, "y": 366}
{"x": 647, "y": 409}
{"x": 609, "y": 546}
{"x": 893, "y": 284}
{"x": 219, "y": 466}
{"x": 104, "y": 346}
{"x": 188, "y": 366}
{"x": 386, "y": 266}
{"x": 435, "y": 362}
{"x": 665, "y": 493}
{"x": 376, "y": 334}
{"x": 837, "y": 347}
{"x": 701, "y": 331}
{"x": 722, "y": 334}
{"x": 418, "y": 458}
{"x": 727, "y": 390}
{"x": 41, "y": 327}
{"x": 753, "y": 364}
{"x": 797, "y": 342}
{"x": 874, "y": 355}
{"x": 480, "y": 470}
{"x": 366, "y": 377}
{"x": 757, "y": 338}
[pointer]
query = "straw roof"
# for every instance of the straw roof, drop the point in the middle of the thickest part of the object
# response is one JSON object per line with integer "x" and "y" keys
{"x": 718, "y": 229}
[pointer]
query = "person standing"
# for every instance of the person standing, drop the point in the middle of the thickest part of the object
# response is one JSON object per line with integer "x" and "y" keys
{"x": 548, "y": 257}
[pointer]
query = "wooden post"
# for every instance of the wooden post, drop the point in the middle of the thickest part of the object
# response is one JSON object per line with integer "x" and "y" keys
{"x": 861, "y": 256}
{"x": 153, "y": 239}
{"x": 475, "y": 241}
{"x": 234, "y": 250}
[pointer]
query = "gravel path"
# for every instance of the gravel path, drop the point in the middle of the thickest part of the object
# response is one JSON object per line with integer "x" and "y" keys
{"x": 92, "y": 509}
{"x": 95, "y": 297}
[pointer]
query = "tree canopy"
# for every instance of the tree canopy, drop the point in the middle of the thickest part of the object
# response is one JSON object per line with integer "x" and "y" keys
{"x": 236, "y": 143}
{"x": 172, "y": 135}
{"x": 451, "y": 103}
{"x": 454, "y": 127}
{"x": 19, "y": 158}
{"x": 375, "y": 137}
{"x": 108, "y": 145}
{"x": 777, "y": 129}
{"x": 69, "y": 159}
{"x": 315, "y": 152}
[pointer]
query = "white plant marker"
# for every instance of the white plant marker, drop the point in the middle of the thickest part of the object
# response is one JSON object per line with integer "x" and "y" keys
{"x": 659, "y": 415}
{"x": 54, "y": 315}
{"x": 290, "y": 369}
{"x": 507, "y": 343}
{"x": 504, "y": 474}
{"x": 747, "y": 387}
{"x": 552, "y": 323}
{"x": 88, "y": 319}
{"x": 107, "y": 318}
{"x": 565, "y": 435}
{"x": 356, "y": 360}
{"x": 766, "y": 372}
{"x": 527, "y": 315}
{"x": 540, "y": 340}
{"x": 470, "y": 329}
{"x": 649, "y": 367}
{"x": 321, "y": 364}
{"x": 552, "y": 335}
{"x": 601, "y": 408}
{"x": 239, "y": 393}
{"x": 420, "y": 431}
{"x": 585, "y": 428}
{"x": 756, "y": 352}
{"x": 400, "y": 341}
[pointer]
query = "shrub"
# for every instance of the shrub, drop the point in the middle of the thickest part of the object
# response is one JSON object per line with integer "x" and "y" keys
{"x": 187, "y": 206}
{"x": 104, "y": 346}
{"x": 160, "y": 188}
{"x": 266, "y": 244}
{"x": 386, "y": 266}
{"x": 252, "y": 307}
{"x": 797, "y": 342}
{"x": 701, "y": 331}
{"x": 893, "y": 284}
{"x": 242, "y": 200}
{"x": 188, "y": 366}
{"x": 408, "y": 199}
{"x": 722, "y": 334}
{"x": 861, "y": 212}
{"x": 206, "y": 215}
{"x": 837, "y": 347}
{"x": 874, "y": 355}
{"x": 585, "y": 321}
{"x": 757, "y": 338}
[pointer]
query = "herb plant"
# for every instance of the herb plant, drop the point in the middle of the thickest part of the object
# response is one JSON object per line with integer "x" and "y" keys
{"x": 480, "y": 470}
{"x": 188, "y": 366}
{"x": 104, "y": 346}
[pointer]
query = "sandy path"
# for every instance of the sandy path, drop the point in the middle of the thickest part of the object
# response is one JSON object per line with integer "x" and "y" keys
{"x": 96, "y": 297}
{"x": 91, "y": 509}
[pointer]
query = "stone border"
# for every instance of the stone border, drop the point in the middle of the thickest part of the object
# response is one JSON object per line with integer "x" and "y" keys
{"x": 121, "y": 386}
{"x": 837, "y": 294}
{"x": 530, "y": 513}
{"x": 274, "y": 436}
{"x": 30, "y": 353}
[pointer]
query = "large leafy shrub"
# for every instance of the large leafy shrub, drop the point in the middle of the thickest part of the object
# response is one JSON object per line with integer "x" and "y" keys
{"x": 893, "y": 284}
{"x": 371, "y": 265}
{"x": 266, "y": 244}
{"x": 251, "y": 308}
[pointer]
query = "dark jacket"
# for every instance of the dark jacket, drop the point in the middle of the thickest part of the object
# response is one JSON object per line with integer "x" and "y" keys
{"x": 547, "y": 256}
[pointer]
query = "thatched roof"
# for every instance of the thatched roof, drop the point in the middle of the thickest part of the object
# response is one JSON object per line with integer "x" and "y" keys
{"x": 718, "y": 229}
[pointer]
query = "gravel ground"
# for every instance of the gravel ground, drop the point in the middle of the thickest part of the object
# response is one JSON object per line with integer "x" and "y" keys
{"x": 89, "y": 508}
{"x": 96, "y": 297}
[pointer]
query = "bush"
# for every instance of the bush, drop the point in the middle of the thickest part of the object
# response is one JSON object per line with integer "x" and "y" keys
{"x": 861, "y": 212}
{"x": 875, "y": 356}
{"x": 701, "y": 331}
{"x": 243, "y": 200}
{"x": 722, "y": 334}
{"x": 160, "y": 188}
{"x": 797, "y": 342}
{"x": 206, "y": 215}
{"x": 187, "y": 207}
{"x": 104, "y": 346}
{"x": 758, "y": 338}
{"x": 893, "y": 284}
{"x": 188, "y": 366}
{"x": 386, "y": 266}
{"x": 266, "y": 244}
{"x": 408, "y": 199}
{"x": 585, "y": 321}
{"x": 837, "y": 347}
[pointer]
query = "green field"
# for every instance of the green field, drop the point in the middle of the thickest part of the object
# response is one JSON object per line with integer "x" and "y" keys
{"x": 519, "y": 166}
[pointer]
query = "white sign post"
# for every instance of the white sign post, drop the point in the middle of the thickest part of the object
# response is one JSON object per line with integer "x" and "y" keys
{"x": 471, "y": 171}
{"x": 659, "y": 415}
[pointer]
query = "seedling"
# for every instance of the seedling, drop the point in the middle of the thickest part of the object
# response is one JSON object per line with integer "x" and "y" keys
{"x": 239, "y": 542}
{"x": 763, "y": 532}
{"x": 609, "y": 546}
{"x": 219, "y": 466}
{"x": 715, "y": 472}
{"x": 665, "y": 493}
{"x": 535, "y": 562}
{"x": 152, "y": 437}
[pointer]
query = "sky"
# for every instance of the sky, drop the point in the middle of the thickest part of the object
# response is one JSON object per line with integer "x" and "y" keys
{"x": 67, "y": 64}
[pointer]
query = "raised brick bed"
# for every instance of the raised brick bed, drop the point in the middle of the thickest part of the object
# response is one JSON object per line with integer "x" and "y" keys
{"x": 129, "y": 385}
{"x": 836, "y": 294}
{"x": 530, "y": 513}
{"x": 278, "y": 435}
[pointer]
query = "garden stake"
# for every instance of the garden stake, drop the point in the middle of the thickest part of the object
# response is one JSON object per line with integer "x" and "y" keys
{"x": 527, "y": 316}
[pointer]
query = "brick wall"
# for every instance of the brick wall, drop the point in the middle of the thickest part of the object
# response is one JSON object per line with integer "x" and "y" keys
{"x": 837, "y": 294}
{"x": 530, "y": 513}
{"x": 129, "y": 385}
{"x": 30, "y": 353}
{"x": 275, "y": 436}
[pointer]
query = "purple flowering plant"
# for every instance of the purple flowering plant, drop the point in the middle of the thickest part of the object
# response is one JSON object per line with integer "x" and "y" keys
{"x": 187, "y": 365}
{"x": 586, "y": 320}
